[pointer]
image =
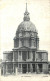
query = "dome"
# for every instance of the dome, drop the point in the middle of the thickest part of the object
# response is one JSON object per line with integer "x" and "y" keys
{"x": 26, "y": 26}
{"x": 26, "y": 34}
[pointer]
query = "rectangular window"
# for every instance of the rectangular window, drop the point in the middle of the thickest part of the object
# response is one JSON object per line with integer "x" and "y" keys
{"x": 19, "y": 69}
{"x": 40, "y": 56}
{"x": 24, "y": 53}
{"x": 40, "y": 67}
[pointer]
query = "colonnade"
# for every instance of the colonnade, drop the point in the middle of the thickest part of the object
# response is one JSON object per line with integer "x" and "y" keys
{"x": 20, "y": 57}
{"x": 34, "y": 69}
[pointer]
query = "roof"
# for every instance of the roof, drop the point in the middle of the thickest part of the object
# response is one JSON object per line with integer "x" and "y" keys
{"x": 5, "y": 52}
{"x": 26, "y": 26}
{"x": 42, "y": 51}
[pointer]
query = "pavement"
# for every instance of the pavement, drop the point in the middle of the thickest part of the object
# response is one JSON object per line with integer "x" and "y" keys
{"x": 26, "y": 77}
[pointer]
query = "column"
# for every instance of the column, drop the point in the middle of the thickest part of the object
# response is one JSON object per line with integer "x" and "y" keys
{"x": 18, "y": 67}
{"x": 31, "y": 69}
{"x": 37, "y": 43}
{"x": 21, "y": 55}
{"x": 13, "y": 67}
{"x": 21, "y": 68}
{"x": 27, "y": 68}
{"x": 6, "y": 68}
{"x": 13, "y": 56}
{"x": 16, "y": 71}
{"x": 18, "y": 55}
{"x": 31, "y": 56}
{"x": 35, "y": 56}
{"x": 13, "y": 62}
{"x": 27, "y": 55}
{"x": 3, "y": 71}
{"x": 37, "y": 68}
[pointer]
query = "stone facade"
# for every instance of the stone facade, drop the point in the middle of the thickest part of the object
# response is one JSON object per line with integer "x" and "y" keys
{"x": 25, "y": 57}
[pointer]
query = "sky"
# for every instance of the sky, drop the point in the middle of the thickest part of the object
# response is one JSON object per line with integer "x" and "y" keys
{"x": 11, "y": 15}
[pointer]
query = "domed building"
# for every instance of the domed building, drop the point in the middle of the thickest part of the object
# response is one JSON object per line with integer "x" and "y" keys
{"x": 25, "y": 57}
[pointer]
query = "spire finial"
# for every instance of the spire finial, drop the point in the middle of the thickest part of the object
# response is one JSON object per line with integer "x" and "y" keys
{"x": 26, "y": 14}
{"x": 26, "y": 6}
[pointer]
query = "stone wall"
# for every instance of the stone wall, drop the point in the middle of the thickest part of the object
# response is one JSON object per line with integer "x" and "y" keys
{"x": 8, "y": 56}
{"x": 42, "y": 56}
{"x": 15, "y": 55}
{"x": 45, "y": 68}
{"x": 45, "y": 56}
{"x": 16, "y": 43}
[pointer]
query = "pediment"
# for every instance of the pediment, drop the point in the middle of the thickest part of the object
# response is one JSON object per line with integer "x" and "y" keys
{"x": 24, "y": 48}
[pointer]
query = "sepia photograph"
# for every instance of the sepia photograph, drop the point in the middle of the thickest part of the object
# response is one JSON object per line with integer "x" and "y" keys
{"x": 24, "y": 40}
